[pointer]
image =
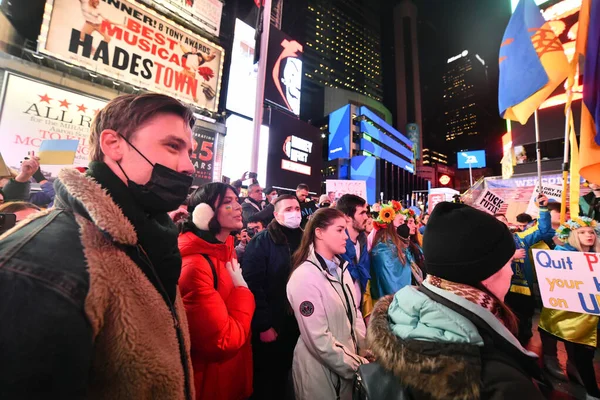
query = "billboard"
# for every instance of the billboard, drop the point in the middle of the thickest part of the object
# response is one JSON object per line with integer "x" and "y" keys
{"x": 364, "y": 168}
{"x": 471, "y": 159}
{"x": 339, "y": 133}
{"x": 241, "y": 90}
{"x": 295, "y": 153}
{"x": 33, "y": 111}
{"x": 205, "y": 14}
{"x": 414, "y": 135}
{"x": 129, "y": 42}
{"x": 283, "y": 84}
{"x": 203, "y": 155}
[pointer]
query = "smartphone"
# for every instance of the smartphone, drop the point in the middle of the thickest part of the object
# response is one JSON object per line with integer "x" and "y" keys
{"x": 7, "y": 221}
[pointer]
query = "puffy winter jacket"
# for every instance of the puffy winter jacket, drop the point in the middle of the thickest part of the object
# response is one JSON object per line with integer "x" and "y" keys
{"x": 219, "y": 319}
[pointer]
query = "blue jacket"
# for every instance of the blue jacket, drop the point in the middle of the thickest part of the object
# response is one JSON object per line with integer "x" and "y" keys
{"x": 359, "y": 269}
{"x": 388, "y": 274}
{"x": 522, "y": 280}
{"x": 20, "y": 191}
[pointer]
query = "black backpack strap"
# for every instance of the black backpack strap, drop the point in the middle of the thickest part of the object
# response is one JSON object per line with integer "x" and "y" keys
{"x": 214, "y": 271}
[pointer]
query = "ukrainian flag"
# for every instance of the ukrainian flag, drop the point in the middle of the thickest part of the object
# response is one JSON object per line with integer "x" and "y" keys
{"x": 588, "y": 46}
{"x": 532, "y": 63}
{"x": 58, "y": 152}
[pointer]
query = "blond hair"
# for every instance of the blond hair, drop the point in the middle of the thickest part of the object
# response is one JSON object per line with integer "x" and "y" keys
{"x": 575, "y": 242}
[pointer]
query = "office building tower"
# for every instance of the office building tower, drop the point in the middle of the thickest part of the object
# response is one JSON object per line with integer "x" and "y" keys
{"x": 432, "y": 157}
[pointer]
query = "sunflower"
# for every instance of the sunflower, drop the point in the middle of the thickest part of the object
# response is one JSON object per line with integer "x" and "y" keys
{"x": 387, "y": 214}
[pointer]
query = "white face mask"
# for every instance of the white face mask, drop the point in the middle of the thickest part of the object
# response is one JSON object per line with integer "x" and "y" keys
{"x": 292, "y": 219}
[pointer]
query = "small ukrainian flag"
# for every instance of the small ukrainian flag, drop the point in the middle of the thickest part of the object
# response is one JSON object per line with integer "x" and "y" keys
{"x": 532, "y": 63}
{"x": 58, "y": 152}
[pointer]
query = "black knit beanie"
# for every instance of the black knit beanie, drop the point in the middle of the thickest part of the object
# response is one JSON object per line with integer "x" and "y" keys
{"x": 465, "y": 245}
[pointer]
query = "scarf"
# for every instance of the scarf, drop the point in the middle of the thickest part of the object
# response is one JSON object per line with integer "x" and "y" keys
{"x": 157, "y": 234}
{"x": 472, "y": 294}
{"x": 359, "y": 269}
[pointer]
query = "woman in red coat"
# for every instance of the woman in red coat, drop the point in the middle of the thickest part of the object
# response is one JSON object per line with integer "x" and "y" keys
{"x": 218, "y": 303}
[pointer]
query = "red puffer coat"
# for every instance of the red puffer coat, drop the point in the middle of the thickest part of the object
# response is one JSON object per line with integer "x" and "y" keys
{"x": 219, "y": 320}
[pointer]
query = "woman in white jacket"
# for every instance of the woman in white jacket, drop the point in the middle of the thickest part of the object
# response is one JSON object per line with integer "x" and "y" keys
{"x": 320, "y": 292}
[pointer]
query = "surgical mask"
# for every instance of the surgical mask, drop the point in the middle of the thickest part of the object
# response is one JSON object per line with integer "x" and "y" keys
{"x": 292, "y": 219}
{"x": 166, "y": 190}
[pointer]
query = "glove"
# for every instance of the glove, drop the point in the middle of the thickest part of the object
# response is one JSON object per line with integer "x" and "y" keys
{"x": 38, "y": 176}
{"x": 235, "y": 271}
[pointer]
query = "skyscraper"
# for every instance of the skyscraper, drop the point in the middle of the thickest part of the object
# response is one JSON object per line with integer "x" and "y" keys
{"x": 465, "y": 101}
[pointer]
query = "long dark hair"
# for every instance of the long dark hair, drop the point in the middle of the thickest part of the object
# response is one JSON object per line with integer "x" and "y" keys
{"x": 212, "y": 194}
{"x": 322, "y": 218}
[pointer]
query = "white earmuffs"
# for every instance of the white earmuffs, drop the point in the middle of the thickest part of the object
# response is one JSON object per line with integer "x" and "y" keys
{"x": 202, "y": 215}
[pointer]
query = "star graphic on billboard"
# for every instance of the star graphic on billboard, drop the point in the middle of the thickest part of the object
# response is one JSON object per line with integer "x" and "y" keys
{"x": 96, "y": 111}
{"x": 44, "y": 98}
{"x": 64, "y": 103}
{"x": 82, "y": 108}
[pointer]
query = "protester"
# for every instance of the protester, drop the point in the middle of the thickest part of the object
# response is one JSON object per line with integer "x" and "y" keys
{"x": 453, "y": 338}
{"x": 218, "y": 303}
{"x": 356, "y": 254}
{"x": 21, "y": 209}
{"x": 423, "y": 227}
{"x": 19, "y": 187}
{"x": 324, "y": 201}
{"x": 399, "y": 219}
{"x": 266, "y": 268}
{"x": 270, "y": 194}
{"x": 390, "y": 269}
{"x": 589, "y": 205}
{"x": 331, "y": 196}
{"x": 577, "y": 331}
{"x": 253, "y": 227}
{"x": 524, "y": 221}
{"x": 520, "y": 296}
{"x": 254, "y": 203}
{"x": 95, "y": 311}
{"x": 307, "y": 206}
{"x": 332, "y": 331}
{"x": 413, "y": 244}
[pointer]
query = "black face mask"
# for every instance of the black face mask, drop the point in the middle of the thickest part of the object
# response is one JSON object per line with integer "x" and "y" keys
{"x": 166, "y": 190}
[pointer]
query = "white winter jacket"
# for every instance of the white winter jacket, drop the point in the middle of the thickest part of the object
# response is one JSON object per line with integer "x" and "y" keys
{"x": 332, "y": 331}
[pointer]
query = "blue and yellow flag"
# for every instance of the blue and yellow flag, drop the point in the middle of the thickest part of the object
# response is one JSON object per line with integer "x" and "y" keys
{"x": 588, "y": 47}
{"x": 58, "y": 152}
{"x": 532, "y": 63}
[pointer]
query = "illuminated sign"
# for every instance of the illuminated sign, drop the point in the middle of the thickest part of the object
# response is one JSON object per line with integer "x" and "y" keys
{"x": 297, "y": 149}
{"x": 480, "y": 59}
{"x": 444, "y": 180}
{"x": 132, "y": 43}
{"x": 471, "y": 159}
{"x": 241, "y": 89}
{"x": 456, "y": 57}
{"x": 339, "y": 133}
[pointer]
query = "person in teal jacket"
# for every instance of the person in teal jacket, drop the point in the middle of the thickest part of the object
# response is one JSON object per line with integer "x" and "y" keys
{"x": 390, "y": 265}
{"x": 520, "y": 296}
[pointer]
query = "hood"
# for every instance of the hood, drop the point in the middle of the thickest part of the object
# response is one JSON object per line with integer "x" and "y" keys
{"x": 565, "y": 247}
{"x": 429, "y": 347}
{"x": 191, "y": 244}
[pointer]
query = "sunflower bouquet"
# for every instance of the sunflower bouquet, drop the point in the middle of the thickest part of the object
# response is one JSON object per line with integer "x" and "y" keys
{"x": 387, "y": 214}
{"x": 571, "y": 225}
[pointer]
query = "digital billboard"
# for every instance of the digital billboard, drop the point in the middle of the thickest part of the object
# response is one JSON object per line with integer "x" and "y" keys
{"x": 563, "y": 16}
{"x": 364, "y": 168}
{"x": 295, "y": 153}
{"x": 132, "y": 43}
{"x": 283, "y": 82}
{"x": 472, "y": 159}
{"x": 339, "y": 133}
{"x": 241, "y": 90}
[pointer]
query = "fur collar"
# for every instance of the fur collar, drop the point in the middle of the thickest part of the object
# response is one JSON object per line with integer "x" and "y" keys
{"x": 75, "y": 187}
{"x": 436, "y": 370}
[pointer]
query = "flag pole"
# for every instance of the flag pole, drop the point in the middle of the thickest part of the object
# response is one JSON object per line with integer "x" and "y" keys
{"x": 538, "y": 151}
{"x": 563, "y": 200}
{"x": 260, "y": 84}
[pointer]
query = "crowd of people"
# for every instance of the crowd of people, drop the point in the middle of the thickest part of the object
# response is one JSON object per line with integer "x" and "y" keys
{"x": 117, "y": 282}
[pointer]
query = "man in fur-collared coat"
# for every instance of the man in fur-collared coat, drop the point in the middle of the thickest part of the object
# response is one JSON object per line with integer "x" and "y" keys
{"x": 89, "y": 302}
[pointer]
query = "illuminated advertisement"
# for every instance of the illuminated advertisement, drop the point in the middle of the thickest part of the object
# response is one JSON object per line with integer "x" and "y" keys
{"x": 414, "y": 135}
{"x": 241, "y": 90}
{"x": 129, "y": 42}
{"x": 471, "y": 159}
{"x": 563, "y": 16}
{"x": 364, "y": 168}
{"x": 238, "y": 149}
{"x": 205, "y": 14}
{"x": 371, "y": 132}
{"x": 295, "y": 153}
{"x": 203, "y": 155}
{"x": 375, "y": 118}
{"x": 283, "y": 84}
{"x": 33, "y": 111}
{"x": 339, "y": 133}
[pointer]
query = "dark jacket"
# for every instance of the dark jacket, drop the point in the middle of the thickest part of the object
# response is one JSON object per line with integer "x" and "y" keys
{"x": 251, "y": 207}
{"x": 266, "y": 215}
{"x": 266, "y": 269}
{"x": 21, "y": 191}
{"x": 307, "y": 208}
{"x": 448, "y": 351}
{"x": 79, "y": 317}
{"x": 589, "y": 206}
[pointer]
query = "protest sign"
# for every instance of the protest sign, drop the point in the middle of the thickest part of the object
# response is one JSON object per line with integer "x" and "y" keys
{"x": 433, "y": 200}
{"x": 553, "y": 192}
{"x": 341, "y": 187}
{"x": 489, "y": 202}
{"x": 129, "y": 42}
{"x": 569, "y": 280}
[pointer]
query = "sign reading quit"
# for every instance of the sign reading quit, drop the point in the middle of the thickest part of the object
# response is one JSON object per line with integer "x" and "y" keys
{"x": 569, "y": 280}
